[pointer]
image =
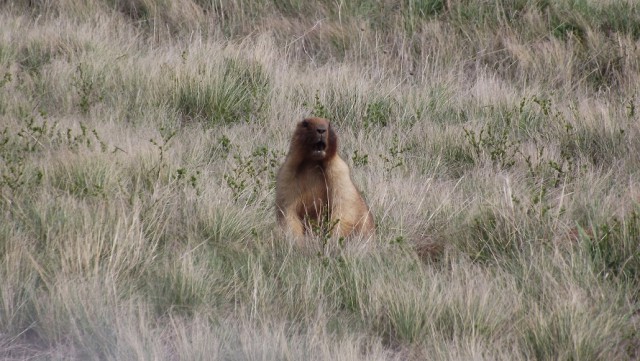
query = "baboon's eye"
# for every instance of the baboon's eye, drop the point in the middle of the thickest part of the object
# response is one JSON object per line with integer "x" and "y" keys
{"x": 305, "y": 123}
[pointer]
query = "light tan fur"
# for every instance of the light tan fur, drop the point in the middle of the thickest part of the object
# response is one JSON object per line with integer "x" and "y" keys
{"x": 314, "y": 182}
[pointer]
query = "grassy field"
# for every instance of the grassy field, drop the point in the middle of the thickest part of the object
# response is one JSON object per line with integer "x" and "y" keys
{"x": 496, "y": 142}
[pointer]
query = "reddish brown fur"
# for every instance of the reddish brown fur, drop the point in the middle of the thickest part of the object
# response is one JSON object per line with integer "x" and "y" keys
{"x": 314, "y": 180}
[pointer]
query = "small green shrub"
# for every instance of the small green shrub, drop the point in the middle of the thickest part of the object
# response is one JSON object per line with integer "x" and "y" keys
{"x": 162, "y": 146}
{"x": 396, "y": 156}
{"x": 493, "y": 143}
{"x": 225, "y": 143}
{"x": 36, "y": 135}
{"x": 359, "y": 160}
{"x": 252, "y": 173}
{"x": 89, "y": 87}
{"x": 318, "y": 109}
{"x": 378, "y": 113}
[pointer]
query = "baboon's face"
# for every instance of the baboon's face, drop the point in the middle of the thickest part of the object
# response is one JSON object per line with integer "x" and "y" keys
{"x": 317, "y": 137}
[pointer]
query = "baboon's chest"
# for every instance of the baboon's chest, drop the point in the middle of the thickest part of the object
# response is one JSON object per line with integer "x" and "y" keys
{"x": 314, "y": 193}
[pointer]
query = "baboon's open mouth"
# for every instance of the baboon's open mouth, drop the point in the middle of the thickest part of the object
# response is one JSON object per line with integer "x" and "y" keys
{"x": 320, "y": 146}
{"x": 319, "y": 149}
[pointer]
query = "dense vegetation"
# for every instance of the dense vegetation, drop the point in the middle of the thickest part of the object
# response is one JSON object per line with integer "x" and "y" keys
{"x": 496, "y": 142}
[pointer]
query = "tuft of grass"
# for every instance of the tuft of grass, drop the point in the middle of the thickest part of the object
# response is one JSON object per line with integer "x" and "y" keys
{"x": 34, "y": 57}
{"x": 237, "y": 93}
{"x": 613, "y": 247}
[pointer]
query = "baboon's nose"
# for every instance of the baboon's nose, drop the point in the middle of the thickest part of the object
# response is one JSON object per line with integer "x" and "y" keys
{"x": 321, "y": 130}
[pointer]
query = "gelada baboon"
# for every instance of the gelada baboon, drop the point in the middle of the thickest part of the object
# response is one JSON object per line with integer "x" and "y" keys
{"x": 314, "y": 186}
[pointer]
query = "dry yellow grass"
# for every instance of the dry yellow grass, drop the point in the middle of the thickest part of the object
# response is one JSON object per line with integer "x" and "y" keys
{"x": 497, "y": 147}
